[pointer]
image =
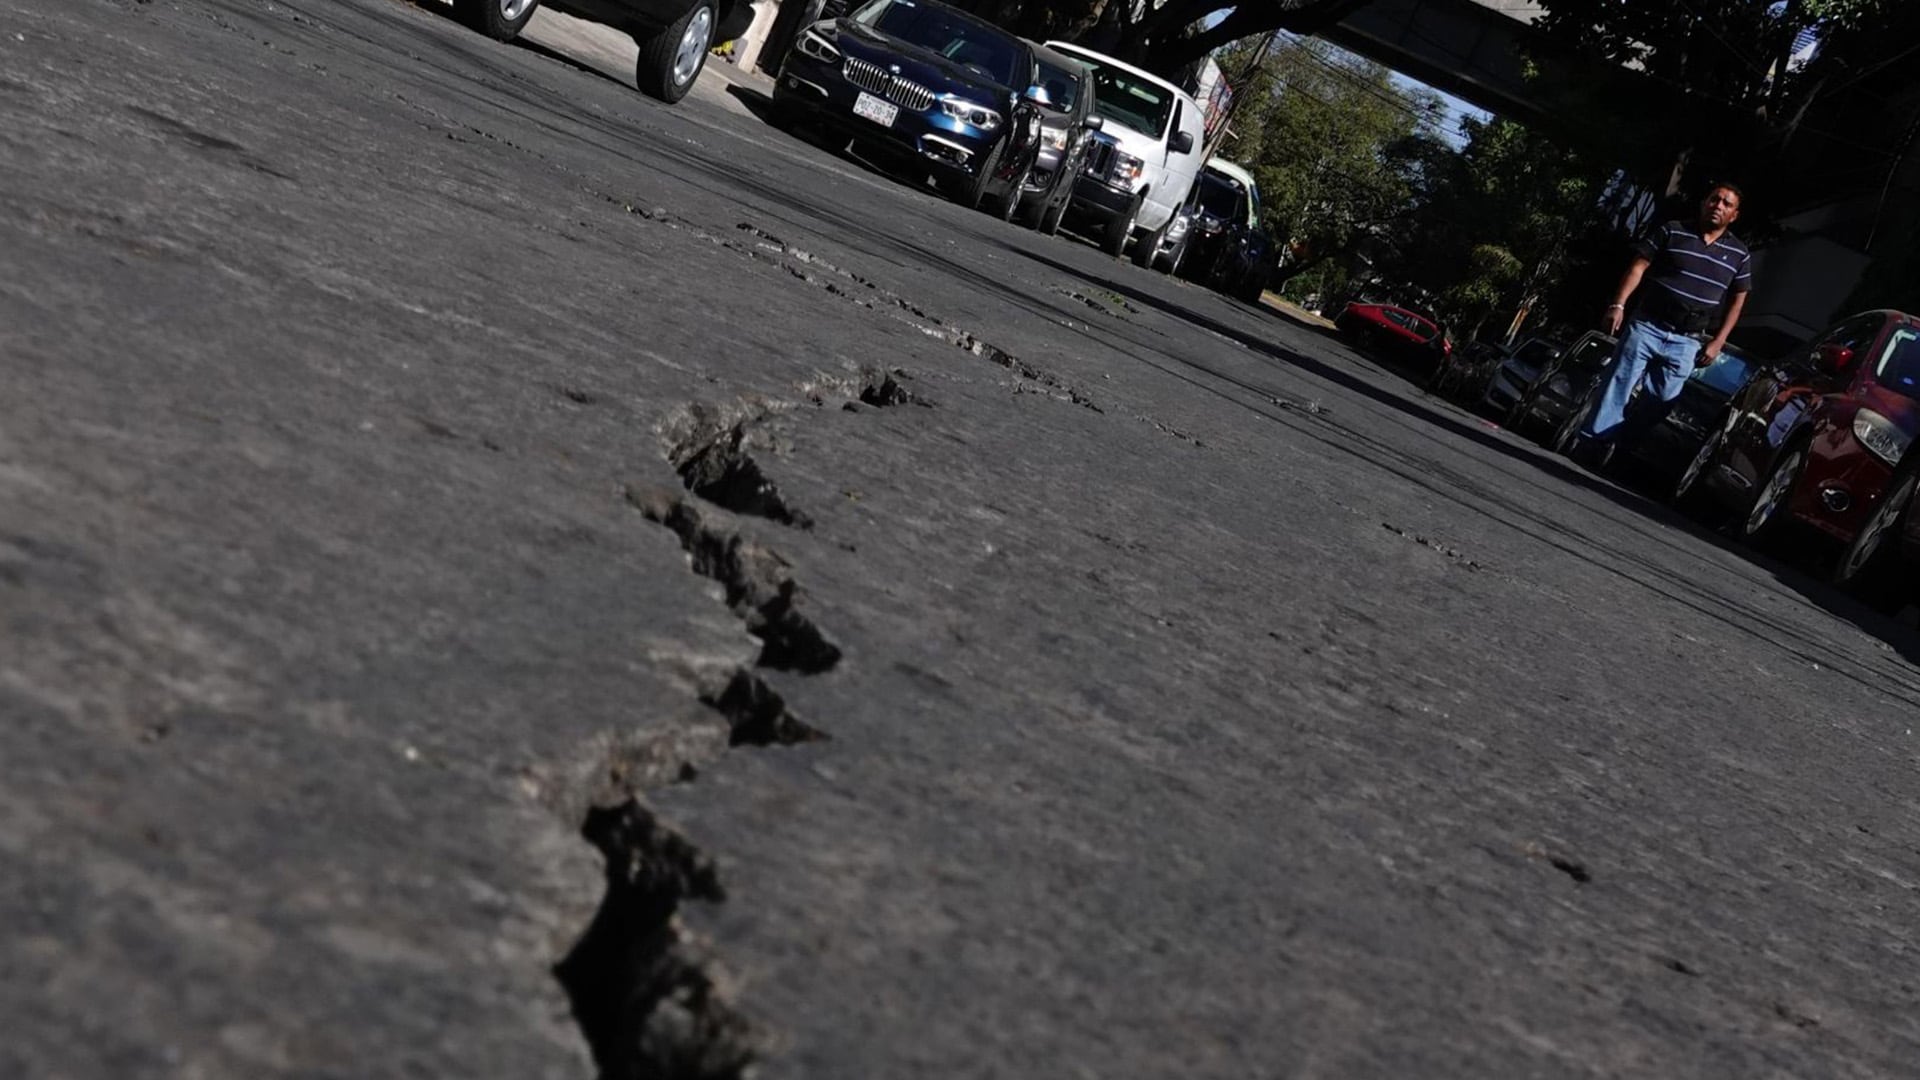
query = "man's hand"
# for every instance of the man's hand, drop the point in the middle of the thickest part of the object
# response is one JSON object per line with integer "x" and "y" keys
{"x": 1708, "y": 352}
{"x": 1611, "y": 320}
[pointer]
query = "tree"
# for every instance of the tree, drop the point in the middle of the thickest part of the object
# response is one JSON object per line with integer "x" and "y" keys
{"x": 1497, "y": 226}
{"x": 1334, "y": 144}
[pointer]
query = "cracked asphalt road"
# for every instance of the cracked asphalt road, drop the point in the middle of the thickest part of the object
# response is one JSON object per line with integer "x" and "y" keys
{"x": 1196, "y": 698}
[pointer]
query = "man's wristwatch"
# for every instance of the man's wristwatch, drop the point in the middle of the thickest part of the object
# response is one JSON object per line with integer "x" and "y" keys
{"x": 1616, "y": 307}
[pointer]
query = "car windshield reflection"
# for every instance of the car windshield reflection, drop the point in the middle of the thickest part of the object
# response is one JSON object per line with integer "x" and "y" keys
{"x": 1062, "y": 87}
{"x": 1899, "y": 366}
{"x": 1727, "y": 374}
{"x": 969, "y": 44}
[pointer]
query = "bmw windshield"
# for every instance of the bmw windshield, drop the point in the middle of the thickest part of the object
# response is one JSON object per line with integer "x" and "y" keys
{"x": 972, "y": 45}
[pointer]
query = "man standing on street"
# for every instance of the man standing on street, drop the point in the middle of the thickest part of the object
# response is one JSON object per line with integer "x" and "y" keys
{"x": 1697, "y": 280}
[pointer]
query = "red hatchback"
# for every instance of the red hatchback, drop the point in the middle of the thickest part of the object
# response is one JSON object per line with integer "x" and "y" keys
{"x": 1820, "y": 440}
{"x": 1395, "y": 331}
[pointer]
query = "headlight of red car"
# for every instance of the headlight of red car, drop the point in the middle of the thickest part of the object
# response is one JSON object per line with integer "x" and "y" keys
{"x": 1882, "y": 437}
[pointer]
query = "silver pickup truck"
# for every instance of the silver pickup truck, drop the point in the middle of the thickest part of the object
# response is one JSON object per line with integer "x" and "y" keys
{"x": 674, "y": 35}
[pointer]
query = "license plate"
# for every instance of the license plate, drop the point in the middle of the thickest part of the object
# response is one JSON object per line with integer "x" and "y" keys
{"x": 878, "y": 110}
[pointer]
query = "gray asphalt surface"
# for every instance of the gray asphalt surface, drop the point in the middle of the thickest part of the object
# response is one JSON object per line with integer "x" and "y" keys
{"x": 1137, "y": 684}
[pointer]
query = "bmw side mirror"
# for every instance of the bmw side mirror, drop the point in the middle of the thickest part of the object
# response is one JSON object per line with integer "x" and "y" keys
{"x": 1833, "y": 359}
{"x": 1182, "y": 143}
{"x": 1095, "y": 123}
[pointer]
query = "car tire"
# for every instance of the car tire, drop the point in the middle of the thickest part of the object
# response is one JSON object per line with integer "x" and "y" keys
{"x": 1253, "y": 289}
{"x": 1517, "y": 414}
{"x": 501, "y": 20}
{"x": 672, "y": 58}
{"x": 971, "y": 190}
{"x": 1050, "y": 221}
{"x": 1568, "y": 433}
{"x": 1766, "y": 514}
{"x": 1113, "y": 239}
{"x": 1868, "y": 545}
{"x": 1149, "y": 245}
{"x": 1687, "y": 487}
{"x": 1010, "y": 204}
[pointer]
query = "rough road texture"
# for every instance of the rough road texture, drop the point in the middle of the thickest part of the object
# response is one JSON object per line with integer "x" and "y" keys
{"x": 499, "y": 576}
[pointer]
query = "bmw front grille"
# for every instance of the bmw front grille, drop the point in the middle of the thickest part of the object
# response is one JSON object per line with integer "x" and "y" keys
{"x": 875, "y": 79}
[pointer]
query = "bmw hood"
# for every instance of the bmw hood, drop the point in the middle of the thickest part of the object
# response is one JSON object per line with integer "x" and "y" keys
{"x": 921, "y": 65}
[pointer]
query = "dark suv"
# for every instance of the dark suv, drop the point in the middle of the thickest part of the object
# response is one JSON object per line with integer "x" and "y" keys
{"x": 1226, "y": 249}
{"x": 926, "y": 81}
{"x": 673, "y": 35}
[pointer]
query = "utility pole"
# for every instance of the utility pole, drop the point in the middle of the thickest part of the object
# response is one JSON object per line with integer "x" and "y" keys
{"x": 1233, "y": 106}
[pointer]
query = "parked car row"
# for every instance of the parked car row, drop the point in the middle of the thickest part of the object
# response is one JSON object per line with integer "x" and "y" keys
{"x": 1042, "y": 134}
{"x": 1817, "y": 440}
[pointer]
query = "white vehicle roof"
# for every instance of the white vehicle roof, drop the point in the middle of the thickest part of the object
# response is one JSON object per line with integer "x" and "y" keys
{"x": 1235, "y": 171}
{"x": 1107, "y": 61}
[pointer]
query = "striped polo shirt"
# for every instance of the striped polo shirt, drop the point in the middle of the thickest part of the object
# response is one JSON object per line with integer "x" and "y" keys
{"x": 1689, "y": 279}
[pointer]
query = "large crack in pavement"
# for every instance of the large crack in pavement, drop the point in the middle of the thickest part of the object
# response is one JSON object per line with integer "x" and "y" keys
{"x": 646, "y": 995}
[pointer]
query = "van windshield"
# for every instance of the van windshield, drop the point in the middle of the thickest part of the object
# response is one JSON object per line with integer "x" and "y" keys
{"x": 1130, "y": 101}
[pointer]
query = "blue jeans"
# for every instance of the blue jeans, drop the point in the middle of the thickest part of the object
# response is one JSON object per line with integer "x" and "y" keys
{"x": 1664, "y": 358}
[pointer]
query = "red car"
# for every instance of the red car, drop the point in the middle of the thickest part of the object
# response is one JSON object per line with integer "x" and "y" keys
{"x": 1395, "y": 331}
{"x": 1821, "y": 440}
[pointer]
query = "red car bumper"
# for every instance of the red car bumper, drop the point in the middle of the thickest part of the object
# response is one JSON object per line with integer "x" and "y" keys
{"x": 1842, "y": 485}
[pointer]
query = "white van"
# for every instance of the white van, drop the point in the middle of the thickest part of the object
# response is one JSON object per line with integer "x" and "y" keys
{"x": 1144, "y": 160}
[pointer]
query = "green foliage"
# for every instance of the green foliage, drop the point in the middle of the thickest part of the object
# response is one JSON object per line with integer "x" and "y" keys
{"x": 1335, "y": 145}
{"x": 1493, "y": 225}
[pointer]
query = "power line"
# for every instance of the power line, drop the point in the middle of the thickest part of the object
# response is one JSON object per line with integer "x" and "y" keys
{"x": 1379, "y": 93}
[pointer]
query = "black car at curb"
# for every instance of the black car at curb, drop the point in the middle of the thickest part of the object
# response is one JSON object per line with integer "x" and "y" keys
{"x": 673, "y": 35}
{"x": 924, "y": 82}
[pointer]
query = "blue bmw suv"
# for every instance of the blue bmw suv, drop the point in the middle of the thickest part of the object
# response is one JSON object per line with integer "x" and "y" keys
{"x": 926, "y": 81}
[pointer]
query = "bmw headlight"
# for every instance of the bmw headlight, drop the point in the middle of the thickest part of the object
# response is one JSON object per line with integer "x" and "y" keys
{"x": 1126, "y": 169}
{"x": 818, "y": 43}
{"x": 972, "y": 112}
{"x": 1053, "y": 138}
{"x": 1884, "y": 438}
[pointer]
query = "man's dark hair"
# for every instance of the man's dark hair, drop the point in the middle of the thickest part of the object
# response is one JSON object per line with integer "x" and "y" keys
{"x": 1724, "y": 185}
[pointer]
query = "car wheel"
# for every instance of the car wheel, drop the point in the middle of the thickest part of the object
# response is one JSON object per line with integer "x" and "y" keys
{"x": 1050, "y": 221}
{"x": 1518, "y": 413}
{"x": 1568, "y": 432}
{"x": 1149, "y": 245}
{"x": 1113, "y": 240}
{"x": 1769, "y": 506}
{"x": 971, "y": 191}
{"x": 671, "y": 59}
{"x": 1689, "y": 481}
{"x": 1010, "y": 205}
{"x": 1868, "y": 541}
{"x": 501, "y": 20}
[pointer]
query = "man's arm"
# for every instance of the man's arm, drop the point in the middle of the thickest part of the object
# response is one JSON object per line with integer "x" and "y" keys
{"x": 1719, "y": 341}
{"x": 1629, "y": 281}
